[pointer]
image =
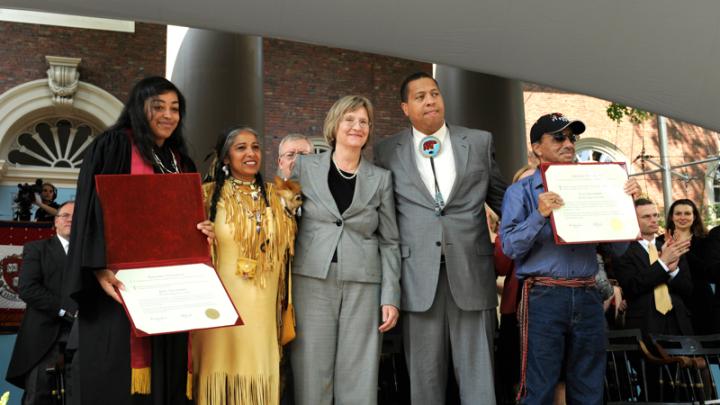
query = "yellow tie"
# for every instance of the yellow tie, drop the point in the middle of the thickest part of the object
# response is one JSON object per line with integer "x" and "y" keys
{"x": 663, "y": 303}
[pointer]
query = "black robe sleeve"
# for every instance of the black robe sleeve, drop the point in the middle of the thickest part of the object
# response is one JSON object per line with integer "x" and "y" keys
{"x": 109, "y": 153}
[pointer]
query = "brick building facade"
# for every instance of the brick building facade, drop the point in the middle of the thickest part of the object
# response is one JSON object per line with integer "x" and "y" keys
{"x": 301, "y": 82}
{"x": 113, "y": 61}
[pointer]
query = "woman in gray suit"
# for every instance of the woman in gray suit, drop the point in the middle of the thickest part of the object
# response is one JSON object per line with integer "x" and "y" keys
{"x": 346, "y": 270}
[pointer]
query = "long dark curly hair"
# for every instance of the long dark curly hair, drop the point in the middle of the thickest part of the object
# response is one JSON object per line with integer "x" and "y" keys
{"x": 134, "y": 117}
{"x": 222, "y": 148}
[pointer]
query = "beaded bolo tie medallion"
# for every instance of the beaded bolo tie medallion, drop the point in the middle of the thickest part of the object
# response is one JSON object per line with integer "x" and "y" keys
{"x": 430, "y": 147}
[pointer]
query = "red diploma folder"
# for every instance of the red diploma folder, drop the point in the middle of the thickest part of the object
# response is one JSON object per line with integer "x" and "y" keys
{"x": 151, "y": 223}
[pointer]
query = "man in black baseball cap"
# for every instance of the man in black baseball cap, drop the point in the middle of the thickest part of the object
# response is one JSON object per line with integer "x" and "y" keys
{"x": 553, "y": 137}
{"x": 564, "y": 322}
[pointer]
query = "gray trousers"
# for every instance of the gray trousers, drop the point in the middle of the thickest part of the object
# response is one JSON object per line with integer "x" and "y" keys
{"x": 336, "y": 354}
{"x": 430, "y": 336}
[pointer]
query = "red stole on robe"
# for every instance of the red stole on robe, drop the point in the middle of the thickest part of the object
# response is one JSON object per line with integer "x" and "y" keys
{"x": 141, "y": 347}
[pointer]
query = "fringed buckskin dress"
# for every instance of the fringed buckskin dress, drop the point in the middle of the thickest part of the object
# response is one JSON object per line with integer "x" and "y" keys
{"x": 240, "y": 365}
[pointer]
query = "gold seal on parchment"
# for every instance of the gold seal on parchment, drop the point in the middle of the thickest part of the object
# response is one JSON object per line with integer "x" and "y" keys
{"x": 212, "y": 313}
{"x": 616, "y": 224}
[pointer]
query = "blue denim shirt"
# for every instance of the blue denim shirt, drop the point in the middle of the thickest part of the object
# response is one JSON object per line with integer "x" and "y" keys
{"x": 527, "y": 237}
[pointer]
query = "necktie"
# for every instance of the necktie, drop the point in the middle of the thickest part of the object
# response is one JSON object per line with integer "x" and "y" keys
{"x": 663, "y": 303}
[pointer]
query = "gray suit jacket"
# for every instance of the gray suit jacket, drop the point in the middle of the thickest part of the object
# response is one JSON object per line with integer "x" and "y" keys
{"x": 461, "y": 232}
{"x": 365, "y": 235}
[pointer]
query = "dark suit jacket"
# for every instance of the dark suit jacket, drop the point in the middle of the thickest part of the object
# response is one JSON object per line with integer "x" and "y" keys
{"x": 40, "y": 288}
{"x": 638, "y": 280}
{"x": 713, "y": 274}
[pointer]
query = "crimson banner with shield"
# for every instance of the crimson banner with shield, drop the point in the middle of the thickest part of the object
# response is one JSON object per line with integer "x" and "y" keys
{"x": 13, "y": 235}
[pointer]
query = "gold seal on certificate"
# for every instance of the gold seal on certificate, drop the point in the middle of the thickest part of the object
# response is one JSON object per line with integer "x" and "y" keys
{"x": 212, "y": 313}
{"x": 596, "y": 208}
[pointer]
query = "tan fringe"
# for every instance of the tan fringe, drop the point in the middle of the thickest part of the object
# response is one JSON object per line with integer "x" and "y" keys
{"x": 270, "y": 246}
{"x": 222, "y": 388}
{"x": 140, "y": 381}
{"x": 189, "y": 386}
{"x": 277, "y": 232}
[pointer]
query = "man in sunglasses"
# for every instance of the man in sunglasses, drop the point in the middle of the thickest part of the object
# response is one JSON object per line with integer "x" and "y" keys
{"x": 291, "y": 146}
{"x": 563, "y": 324}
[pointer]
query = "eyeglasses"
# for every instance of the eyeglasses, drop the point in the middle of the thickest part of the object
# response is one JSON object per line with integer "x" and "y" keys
{"x": 559, "y": 137}
{"x": 65, "y": 217}
{"x": 293, "y": 154}
{"x": 350, "y": 122}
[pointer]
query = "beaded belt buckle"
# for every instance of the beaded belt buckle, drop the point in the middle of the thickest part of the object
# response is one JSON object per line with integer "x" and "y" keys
{"x": 246, "y": 268}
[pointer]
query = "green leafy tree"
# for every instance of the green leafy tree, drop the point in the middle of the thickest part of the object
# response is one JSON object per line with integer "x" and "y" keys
{"x": 617, "y": 112}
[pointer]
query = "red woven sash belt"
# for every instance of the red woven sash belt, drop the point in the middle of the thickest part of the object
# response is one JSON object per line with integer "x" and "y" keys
{"x": 523, "y": 313}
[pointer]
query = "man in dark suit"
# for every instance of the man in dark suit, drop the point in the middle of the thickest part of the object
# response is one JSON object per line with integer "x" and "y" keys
{"x": 46, "y": 324}
{"x": 656, "y": 282}
{"x": 443, "y": 175}
{"x": 655, "y": 279}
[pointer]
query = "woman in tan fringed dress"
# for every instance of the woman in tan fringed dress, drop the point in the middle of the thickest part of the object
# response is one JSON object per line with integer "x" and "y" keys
{"x": 255, "y": 235}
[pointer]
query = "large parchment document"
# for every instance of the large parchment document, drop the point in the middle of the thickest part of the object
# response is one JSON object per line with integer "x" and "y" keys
{"x": 153, "y": 245}
{"x": 175, "y": 298}
{"x": 596, "y": 207}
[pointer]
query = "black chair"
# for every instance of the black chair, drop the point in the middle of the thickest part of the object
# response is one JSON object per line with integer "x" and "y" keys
{"x": 625, "y": 372}
{"x": 687, "y": 363}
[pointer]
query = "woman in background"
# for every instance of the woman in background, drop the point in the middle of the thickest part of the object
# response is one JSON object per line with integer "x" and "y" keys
{"x": 47, "y": 208}
{"x": 684, "y": 222}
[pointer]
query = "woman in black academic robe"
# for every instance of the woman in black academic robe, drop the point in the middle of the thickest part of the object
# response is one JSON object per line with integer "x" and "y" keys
{"x": 148, "y": 132}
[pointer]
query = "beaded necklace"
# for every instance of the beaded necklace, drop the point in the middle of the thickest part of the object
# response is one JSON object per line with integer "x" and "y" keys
{"x": 256, "y": 212}
{"x": 162, "y": 167}
{"x": 341, "y": 173}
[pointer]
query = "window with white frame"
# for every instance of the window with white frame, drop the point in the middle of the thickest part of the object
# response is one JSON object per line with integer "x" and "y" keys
{"x": 52, "y": 142}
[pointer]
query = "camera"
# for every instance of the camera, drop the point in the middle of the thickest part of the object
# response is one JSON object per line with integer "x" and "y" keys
{"x": 24, "y": 199}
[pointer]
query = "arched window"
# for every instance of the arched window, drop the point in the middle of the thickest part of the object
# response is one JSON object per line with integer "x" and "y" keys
{"x": 54, "y": 142}
{"x": 41, "y": 139}
{"x": 599, "y": 150}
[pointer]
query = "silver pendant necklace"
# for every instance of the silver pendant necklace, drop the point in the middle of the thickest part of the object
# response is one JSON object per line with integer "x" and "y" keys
{"x": 162, "y": 167}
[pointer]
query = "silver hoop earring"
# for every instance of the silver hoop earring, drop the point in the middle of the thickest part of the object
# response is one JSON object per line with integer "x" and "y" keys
{"x": 225, "y": 170}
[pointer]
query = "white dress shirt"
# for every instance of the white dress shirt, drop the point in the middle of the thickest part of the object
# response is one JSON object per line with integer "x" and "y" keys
{"x": 444, "y": 163}
{"x": 65, "y": 243}
{"x": 644, "y": 243}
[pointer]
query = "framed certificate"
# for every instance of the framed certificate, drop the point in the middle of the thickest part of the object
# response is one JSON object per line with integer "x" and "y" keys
{"x": 596, "y": 207}
{"x": 155, "y": 249}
